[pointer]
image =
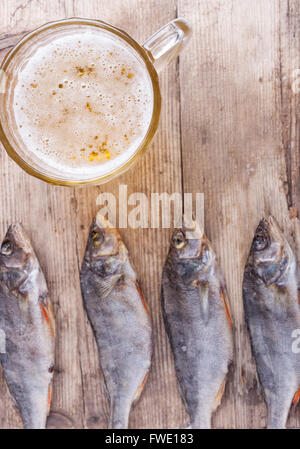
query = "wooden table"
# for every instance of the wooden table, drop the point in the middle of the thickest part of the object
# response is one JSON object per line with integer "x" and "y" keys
{"x": 229, "y": 128}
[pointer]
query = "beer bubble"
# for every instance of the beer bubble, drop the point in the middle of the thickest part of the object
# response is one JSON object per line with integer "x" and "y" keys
{"x": 60, "y": 78}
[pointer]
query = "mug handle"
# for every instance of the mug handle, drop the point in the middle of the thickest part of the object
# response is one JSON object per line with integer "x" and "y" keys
{"x": 166, "y": 44}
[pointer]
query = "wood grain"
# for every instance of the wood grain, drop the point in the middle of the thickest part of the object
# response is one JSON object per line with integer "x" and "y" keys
{"x": 235, "y": 148}
{"x": 59, "y": 219}
{"x": 229, "y": 128}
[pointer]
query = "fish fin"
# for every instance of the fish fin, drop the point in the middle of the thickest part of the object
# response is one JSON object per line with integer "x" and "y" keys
{"x": 52, "y": 318}
{"x": 142, "y": 298}
{"x": 49, "y": 398}
{"x": 219, "y": 395}
{"x": 105, "y": 287}
{"x": 47, "y": 313}
{"x": 106, "y": 390}
{"x": 10, "y": 394}
{"x": 259, "y": 386}
{"x": 167, "y": 327}
{"x": 224, "y": 297}
{"x": 296, "y": 397}
{"x": 296, "y": 237}
{"x": 140, "y": 389}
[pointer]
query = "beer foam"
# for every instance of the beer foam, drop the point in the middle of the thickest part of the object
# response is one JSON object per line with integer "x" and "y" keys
{"x": 83, "y": 102}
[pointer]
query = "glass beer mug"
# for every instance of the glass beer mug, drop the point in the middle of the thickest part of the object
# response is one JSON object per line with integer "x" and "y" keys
{"x": 80, "y": 99}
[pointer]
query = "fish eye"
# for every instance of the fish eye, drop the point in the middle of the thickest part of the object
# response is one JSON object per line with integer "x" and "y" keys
{"x": 260, "y": 242}
{"x": 97, "y": 237}
{"x": 6, "y": 248}
{"x": 179, "y": 240}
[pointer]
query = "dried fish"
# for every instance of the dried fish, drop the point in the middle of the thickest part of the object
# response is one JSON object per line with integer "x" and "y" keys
{"x": 198, "y": 323}
{"x": 119, "y": 317}
{"x": 27, "y": 321}
{"x": 272, "y": 311}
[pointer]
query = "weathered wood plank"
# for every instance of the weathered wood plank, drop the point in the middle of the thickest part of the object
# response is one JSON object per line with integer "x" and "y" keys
{"x": 47, "y": 213}
{"x": 58, "y": 221}
{"x": 231, "y": 125}
{"x": 158, "y": 171}
{"x": 232, "y": 104}
{"x": 289, "y": 54}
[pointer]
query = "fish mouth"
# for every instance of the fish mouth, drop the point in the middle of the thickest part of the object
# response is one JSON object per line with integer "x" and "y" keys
{"x": 274, "y": 230}
{"x": 17, "y": 234}
{"x": 194, "y": 238}
{"x": 263, "y": 225}
{"x": 20, "y": 262}
{"x": 19, "y": 243}
{"x": 270, "y": 228}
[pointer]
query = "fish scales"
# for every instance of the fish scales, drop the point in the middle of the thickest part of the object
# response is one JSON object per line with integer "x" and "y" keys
{"x": 119, "y": 317}
{"x": 198, "y": 323}
{"x": 272, "y": 312}
{"x": 27, "y": 320}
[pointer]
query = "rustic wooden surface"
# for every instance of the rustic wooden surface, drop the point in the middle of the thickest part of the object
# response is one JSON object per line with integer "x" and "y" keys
{"x": 229, "y": 128}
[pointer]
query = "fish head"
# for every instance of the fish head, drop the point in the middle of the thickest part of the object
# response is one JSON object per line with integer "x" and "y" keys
{"x": 105, "y": 250}
{"x": 270, "y": 254}
{"x": 16, "y": 250}
{"x": 17, "y": 257}
{"x": 191, "y": 254}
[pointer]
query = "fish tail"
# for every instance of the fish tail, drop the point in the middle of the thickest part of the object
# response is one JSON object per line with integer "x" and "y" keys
{"x": 276, "y": 422}
{"x": 33, "y": 422}
{"x": 276, "y": 419}
{"x": 34, "y": 412}
{"x": 202, "y": 420}
{"x": 119, "y": 415}
{"x": 49, "y": 398}
{"x": 278, "y": 410}
{"x": 296, "y": 398}
{"x": 203, "y": 423}
{"x": 141, "y": 388}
